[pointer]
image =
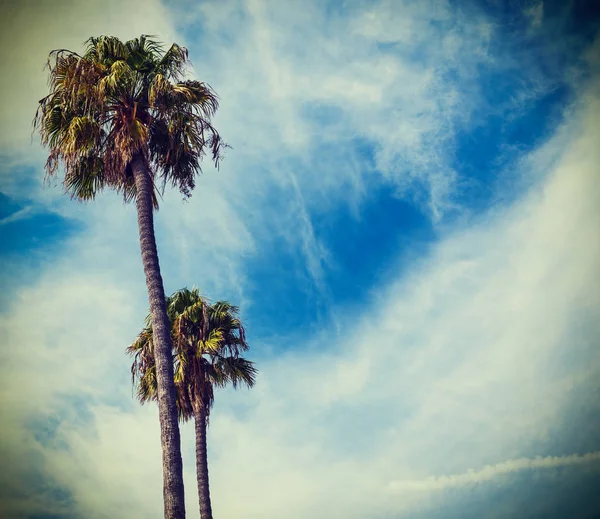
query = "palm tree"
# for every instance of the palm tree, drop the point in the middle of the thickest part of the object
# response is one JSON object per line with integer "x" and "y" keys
{"x": 121, "y": 116}
{"x": 207, "y": 341}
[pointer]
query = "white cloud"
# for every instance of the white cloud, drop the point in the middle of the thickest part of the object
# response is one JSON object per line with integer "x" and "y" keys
{"x": 490, "y": 472}
{"x": 21, "y": 214}
{"x": 271, "y": 63}
{"x": 466, "y": 359}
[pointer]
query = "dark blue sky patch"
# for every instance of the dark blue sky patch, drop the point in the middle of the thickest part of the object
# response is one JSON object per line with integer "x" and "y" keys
{"x": 565, "y": 29}
{"x": 584, "y": 19}
{"x": 8, "y": 206}
{"x": 362, "y": 247}
{"x": 36, "y": 229}
{"x": 33, "y": 232}
{"x": 524, "y": 93}
{"x": 27, "y": 243}
{"x": 524, "y": 89}
{"x": 492, "y": 147}
{"x": 282, "y": 293}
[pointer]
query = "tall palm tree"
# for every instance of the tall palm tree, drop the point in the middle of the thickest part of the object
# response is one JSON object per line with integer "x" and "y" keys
{"x": 121, "y": 116}
{"x": 207, "y": 341}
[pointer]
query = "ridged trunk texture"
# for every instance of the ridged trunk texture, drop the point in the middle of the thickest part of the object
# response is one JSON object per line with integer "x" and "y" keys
{"x": 202, "y": 464}
{"x": 173, "y": 492}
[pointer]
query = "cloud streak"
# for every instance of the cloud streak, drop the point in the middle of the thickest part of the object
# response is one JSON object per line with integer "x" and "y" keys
{"x": 490, "y": 472}
{"x": 21, "y": 214}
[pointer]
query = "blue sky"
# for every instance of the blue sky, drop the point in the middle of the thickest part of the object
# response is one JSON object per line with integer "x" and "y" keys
{"x": 408, "y": 220}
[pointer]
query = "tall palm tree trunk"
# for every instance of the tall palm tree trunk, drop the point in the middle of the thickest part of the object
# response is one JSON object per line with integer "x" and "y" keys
{"x": 167, "y": 408}
{"x": 202, "y": 463}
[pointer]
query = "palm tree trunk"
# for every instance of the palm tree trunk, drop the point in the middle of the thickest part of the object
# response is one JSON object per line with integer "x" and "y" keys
{"x": 173, "y": 493}
{"x": 202, "y": 464}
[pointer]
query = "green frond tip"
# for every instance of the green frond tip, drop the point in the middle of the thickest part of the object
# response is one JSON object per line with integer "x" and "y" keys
{"x": 207, "y": 341}
{"x": 121, "y": 99}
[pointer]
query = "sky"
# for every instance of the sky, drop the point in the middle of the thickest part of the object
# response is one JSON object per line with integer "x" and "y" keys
{"x": 408, "y": 219}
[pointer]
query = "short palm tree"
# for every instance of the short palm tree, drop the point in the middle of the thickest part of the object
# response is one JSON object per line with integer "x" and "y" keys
{"x": 121, "y": 116}
{"x": 207, "y": 341}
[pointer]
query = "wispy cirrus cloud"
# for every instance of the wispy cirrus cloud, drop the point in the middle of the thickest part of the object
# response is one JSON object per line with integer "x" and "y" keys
{"x": 21, "y": 214}
{"x": 489, "y": 472}
{"x": 470, "y": 354}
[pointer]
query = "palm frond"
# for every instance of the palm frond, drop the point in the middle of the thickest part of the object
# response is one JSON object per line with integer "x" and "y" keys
{"x": 105, "y": 50}
{"x": 201, "y": 96}
{"x": 117, "y": 78}
{"x": 207, "y": 341}
{"x": 237, "y": 371}
{"x": 211, "y": 344}
{"x": 173, "y": 62}
{"x": 85, "y": 179}
{"x": 121, "y": 99}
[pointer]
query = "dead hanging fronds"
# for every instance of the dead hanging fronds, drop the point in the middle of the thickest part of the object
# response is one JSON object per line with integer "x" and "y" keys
{"x": 118, "y": 100}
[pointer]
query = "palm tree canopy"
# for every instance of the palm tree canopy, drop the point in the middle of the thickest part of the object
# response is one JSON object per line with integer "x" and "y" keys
{"x": 207, "y": 342}
{"x": 120, "y": 99}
